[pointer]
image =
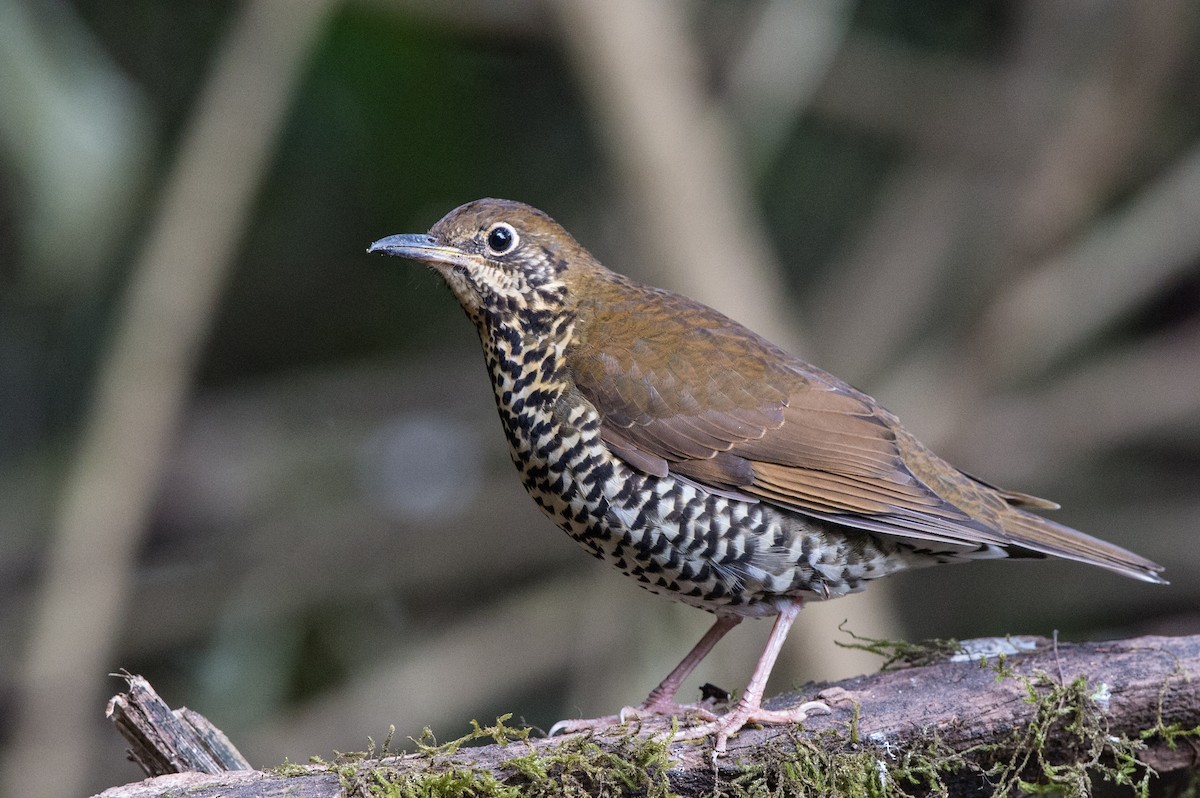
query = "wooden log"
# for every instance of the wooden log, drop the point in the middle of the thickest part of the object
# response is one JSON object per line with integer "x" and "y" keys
{"x": 163, "y": 740}
{"x": 992, "y": 714}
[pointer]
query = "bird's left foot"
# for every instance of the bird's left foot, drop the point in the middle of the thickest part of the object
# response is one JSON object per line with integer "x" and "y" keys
{"x": 648, "y": 709}
{"x": 732, "y": 721}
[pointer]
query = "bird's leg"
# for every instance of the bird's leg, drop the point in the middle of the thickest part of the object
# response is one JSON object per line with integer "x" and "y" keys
{"x": 661, "y": 701}
{"x": 749, "y": 707}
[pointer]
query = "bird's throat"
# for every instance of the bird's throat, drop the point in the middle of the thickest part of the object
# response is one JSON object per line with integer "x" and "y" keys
{"x": 526, "y": 358}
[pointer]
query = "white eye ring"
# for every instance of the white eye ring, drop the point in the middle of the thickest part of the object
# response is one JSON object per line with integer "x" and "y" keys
{"x": 501, "y": 238}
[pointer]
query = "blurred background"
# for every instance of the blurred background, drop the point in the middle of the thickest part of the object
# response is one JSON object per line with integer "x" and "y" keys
{"x": 244, "y": 459}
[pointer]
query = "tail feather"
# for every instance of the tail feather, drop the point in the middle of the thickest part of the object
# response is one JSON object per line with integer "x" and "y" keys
{"x": 1041, "y": 535}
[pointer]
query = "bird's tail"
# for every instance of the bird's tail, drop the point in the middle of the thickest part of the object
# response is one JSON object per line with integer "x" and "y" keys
{"x": 1041, "y": 535}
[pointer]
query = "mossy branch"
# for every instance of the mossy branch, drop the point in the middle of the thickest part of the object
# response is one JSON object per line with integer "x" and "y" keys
{"x": 1050, "y": 716}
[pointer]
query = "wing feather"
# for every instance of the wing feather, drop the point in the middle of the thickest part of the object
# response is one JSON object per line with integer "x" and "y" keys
{"x": 683, "y": 389}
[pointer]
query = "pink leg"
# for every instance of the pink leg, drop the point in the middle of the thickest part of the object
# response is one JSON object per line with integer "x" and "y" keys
{"x": 661, "y": 700}
{"x": 749, "y": 707}
{"x": 664, "y": 694}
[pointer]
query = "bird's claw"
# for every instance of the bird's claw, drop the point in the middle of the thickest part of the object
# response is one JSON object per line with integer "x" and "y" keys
{"x": 644, "y": 711}
{"x": 723, "y": 726}
{"x": 576, "y": 725}
{"x": 735, "y": 719}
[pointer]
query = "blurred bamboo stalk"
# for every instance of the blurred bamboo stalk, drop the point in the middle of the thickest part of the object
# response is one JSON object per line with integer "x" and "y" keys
{"x": 673, "y": 149}
{"x": 1114, "y": 267}
{"x": 141, "y": 388}
{"x": 1136, "y": 392}
{"x": 775, "y": 74}
{"x": 1121, "y": 81}
{"x": 1031, "y": 181}
{"x": 883, "y": 285}
{"x": 76, "y": 134}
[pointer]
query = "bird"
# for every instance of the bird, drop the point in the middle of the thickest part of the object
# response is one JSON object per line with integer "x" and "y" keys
{"x": 702, "y": 460}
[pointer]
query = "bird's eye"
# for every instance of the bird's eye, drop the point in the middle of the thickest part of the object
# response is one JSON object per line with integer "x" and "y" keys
{"x": 502, "y": 239}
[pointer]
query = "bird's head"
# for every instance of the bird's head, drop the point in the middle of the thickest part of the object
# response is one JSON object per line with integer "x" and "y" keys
{"x": 499, "y": 257}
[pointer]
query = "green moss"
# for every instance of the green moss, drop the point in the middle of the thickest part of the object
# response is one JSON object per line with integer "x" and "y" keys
{"x": 578, "y": 766}
{"x": 1172, "y": 733}
{"x": 1070, "y": 713}
{"x": 498, "y": 733}
{"x": 1066, "y": 746}
{"x": 1063, "y": 750}
{"x": 581, "y": 767}
{"x": 452, "y": 783}
{"x": 900, "y": 653}
{"x": 826, "y": 765}
{"x": 289, "y": 769}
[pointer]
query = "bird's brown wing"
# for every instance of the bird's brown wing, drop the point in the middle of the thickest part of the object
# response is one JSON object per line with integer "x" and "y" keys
{"x": 682, "y": 389}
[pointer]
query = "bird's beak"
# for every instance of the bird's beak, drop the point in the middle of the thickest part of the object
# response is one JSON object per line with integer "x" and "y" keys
{"x": 421, "y": 248}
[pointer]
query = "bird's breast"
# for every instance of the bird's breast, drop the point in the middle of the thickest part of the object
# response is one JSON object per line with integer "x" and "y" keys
{"x": 674, "y": 537}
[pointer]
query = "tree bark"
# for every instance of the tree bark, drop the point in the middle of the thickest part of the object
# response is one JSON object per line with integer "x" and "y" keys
{"x": 992, "y": 714}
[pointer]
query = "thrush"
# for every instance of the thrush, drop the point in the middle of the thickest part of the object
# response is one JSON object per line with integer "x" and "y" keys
{"x": 702, "y": 460}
